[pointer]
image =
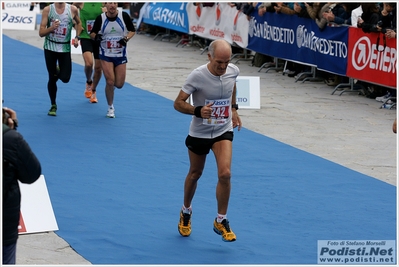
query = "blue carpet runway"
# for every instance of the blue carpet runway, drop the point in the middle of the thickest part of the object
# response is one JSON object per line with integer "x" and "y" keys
{"x": 116, "y": 185}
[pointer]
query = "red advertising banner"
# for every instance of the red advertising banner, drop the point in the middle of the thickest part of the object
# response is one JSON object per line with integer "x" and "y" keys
{"x": 371, "y": 57}
{"x": 21, "y": 226}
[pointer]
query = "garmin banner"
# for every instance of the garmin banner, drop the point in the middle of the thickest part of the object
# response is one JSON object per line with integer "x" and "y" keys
{"x": 17, "y": 6}
{"x": 219, "y": 21}
{"x": 169, "y": 15}
{"x": 299, "y": 39}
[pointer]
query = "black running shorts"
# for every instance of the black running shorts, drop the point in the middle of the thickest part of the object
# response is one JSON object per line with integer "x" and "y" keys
{"x": 89, "y": 45}
{"x": 202, "y": 146}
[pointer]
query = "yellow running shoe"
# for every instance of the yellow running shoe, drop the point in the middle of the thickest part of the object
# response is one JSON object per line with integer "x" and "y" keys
{"x": 224, "y": 230}
{"x": 52, "y": 111}
{"x": 184, "y": 225}
{"x": 88, "y": 91}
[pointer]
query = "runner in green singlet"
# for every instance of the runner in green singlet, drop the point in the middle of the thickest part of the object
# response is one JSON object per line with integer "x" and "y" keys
{"x": 88, "y": 13}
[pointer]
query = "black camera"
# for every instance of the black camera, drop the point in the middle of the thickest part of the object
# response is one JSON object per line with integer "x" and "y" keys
{"x": 6, "y": 116}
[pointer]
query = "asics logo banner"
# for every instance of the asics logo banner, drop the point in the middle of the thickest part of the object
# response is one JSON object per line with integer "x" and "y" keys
{"x": 16, "y": 19}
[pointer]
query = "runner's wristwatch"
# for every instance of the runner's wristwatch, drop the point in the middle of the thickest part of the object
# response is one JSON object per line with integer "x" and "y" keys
{"x": 234, "y": 106}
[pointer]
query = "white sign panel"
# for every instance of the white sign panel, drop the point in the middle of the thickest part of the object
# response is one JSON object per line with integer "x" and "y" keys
{"x": 21, "y": 6}
{"x": 248, "y": 92}
{"x": 75, "y": 50}
{"x": 37, "y": 213}
{"x": 18, "y": 20}
{"x": 17, "y": 6}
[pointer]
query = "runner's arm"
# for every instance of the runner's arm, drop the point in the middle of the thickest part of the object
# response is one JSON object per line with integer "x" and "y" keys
{"x": 43, "y": 30}
{"x": 129, "y": 26}
{"x": 235, "y": 117}
{"x": 79, "y": 5}
{"x": 182, "y": 105}
{"x": 96, "y": 27}
{"x": 76, "y": 18}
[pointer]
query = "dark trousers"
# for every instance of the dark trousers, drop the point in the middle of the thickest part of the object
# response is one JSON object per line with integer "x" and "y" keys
{"x": 63, "y": 73}
{"x": 9, "y": 253}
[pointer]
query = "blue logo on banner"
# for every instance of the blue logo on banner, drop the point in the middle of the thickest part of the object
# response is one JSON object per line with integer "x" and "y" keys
{"x": 167, "y": 15}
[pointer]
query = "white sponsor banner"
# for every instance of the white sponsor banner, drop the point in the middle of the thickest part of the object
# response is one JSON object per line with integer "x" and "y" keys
{"x": 140, "y": 19}
{"x": 220, "y": 21}
{"x": 248, "y": 92}
{"x": 37, "y": 213}
{"x": 21, "y": 6}
{"x": 18, "y": 6}
{"x": 18, "y": 20}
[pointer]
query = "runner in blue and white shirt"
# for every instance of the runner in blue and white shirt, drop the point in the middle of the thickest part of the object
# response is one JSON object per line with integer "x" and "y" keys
{"x": 113, "y": 29}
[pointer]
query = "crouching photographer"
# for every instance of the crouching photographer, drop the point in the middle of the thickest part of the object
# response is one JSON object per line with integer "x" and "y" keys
{"x": 19, "y": 164}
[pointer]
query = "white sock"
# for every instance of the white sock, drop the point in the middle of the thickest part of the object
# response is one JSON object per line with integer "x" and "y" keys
{"x": 221, "y": 217}
{"x": 187, "y": 210}
{"x": 111, "y": 106}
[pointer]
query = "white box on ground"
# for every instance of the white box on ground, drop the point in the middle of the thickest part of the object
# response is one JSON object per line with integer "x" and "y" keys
{"x": 36, "y": 210}
{"x": 248, "y": 92}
